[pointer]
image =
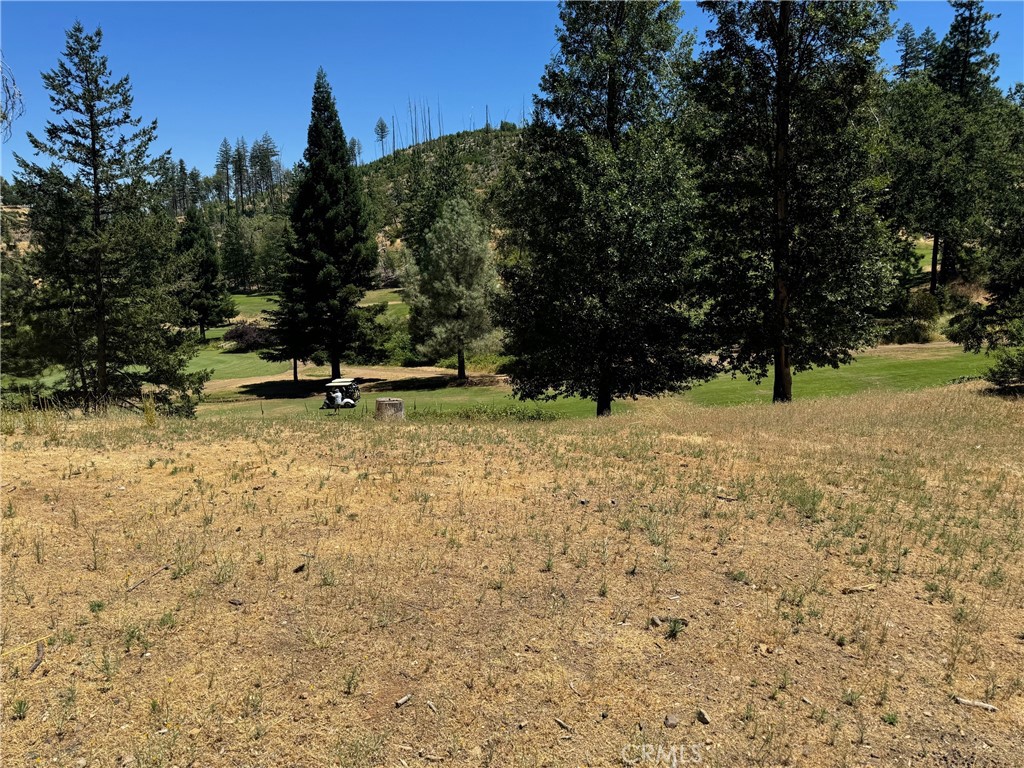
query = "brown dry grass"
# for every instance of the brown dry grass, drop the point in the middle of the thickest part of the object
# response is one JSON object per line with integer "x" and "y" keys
{"x": 505, "y": 575}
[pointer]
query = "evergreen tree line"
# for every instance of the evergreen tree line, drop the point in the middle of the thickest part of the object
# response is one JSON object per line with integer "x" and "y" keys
{"x": 244, "y": 175}
{"x": 666, "y": 215}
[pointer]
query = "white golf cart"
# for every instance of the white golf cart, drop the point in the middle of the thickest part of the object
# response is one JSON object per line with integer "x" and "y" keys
{"x": 341, "y": 393}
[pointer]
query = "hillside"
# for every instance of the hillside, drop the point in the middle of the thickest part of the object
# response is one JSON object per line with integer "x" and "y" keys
{"x": 389, "y": 180}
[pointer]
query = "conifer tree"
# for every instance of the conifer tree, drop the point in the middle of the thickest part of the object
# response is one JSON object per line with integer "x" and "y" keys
{"x": 380, "y": 130}
{"x": 797, "y": 257}
{"x": 240, "y": 169}
{"x": 223, "y": 171}
{"x": 453, "y": 283}
{"x": 597, "y": 213}
{"x": 102, "y": 308}
{"x": 200, "y": 289}
{"x": 237, "y": 255}
{"x": 331, "y": 254}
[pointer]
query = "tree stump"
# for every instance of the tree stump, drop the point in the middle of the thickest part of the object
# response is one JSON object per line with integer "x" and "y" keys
{"x": 390, "y": 408}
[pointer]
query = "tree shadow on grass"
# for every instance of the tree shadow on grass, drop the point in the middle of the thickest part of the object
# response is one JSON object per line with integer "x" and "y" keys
{"x": 1015, "y": 392}
{"x": 410, "y": 384}
{"x": 284, "y": 389}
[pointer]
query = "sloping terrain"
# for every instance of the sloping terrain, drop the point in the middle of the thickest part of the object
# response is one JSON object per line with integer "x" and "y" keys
{"x": 807, "y": 585}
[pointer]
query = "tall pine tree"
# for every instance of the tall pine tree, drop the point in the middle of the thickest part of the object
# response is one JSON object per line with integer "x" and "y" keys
{"x": 101, "y": 304}
{"x": 205, "y": 301}
{"x": 597, "y": 212}
{"x": 223, "y": 171}
{"x": 332, "y": 257}
{"x": 797, "y": 257}
{"x": 453, "y": 283}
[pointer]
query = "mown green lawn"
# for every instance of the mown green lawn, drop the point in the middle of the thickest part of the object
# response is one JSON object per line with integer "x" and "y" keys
{"x": 233, "y": 365}
{"x": 250, "y": 306}
{"x": 418, "y": 402}
{"x": 384, "y": 294}
{"x": 888, "y": 368}
{"x": 394, "y": 297}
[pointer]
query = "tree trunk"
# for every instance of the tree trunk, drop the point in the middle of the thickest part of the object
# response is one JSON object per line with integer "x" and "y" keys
{"x": 783, "y": 391}
{"x": 335, "y": 367}
{"x": 102, "y": 386}
{"x": 604, "y": 392}
{"x": 461, "y": 375}
{"x": 934, "y": 284}
{"x": 949, "y": 269}
{"x": 202, "y": 330}
{"x": 100, "y": 297}
{"x": 295, "y": 369}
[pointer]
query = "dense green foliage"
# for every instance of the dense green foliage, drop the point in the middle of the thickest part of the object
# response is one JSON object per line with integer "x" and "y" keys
{"x": 998, "y": 324}
{"x": 797, "y": 256}
{"x": 762, "y": 209}
{"x": 947, "y": 150}
{"x": 97, "y": 304}
{"x": 199, "y": 288}
{"x": 452, "y": 284}
{"x": 597, "y": 215}
{"x": 331, "y": 258}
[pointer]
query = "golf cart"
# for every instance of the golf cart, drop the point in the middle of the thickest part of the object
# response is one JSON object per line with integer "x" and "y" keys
{"x": 341, "y": 393}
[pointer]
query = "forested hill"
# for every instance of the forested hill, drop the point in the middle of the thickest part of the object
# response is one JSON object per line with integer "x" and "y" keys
{"x": 392, "y": 179}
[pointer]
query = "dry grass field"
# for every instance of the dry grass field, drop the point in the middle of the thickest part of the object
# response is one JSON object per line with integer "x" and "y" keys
{"x": 817, "y": 582}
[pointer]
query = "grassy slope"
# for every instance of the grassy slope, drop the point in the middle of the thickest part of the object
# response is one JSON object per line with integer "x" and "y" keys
{"x": 507, "y": 574}
{"x": 886, "y": 368}
{"x": 250, "y": 306}
{"x": 417, "y": 402}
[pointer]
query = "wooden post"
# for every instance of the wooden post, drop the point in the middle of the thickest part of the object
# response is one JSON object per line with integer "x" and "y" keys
{"x": 390, "y": 408}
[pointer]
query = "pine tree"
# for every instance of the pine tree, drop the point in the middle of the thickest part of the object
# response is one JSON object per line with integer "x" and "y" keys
{"x": 964, "y": 69}
{"x": 380, "y": 130}
{"x": 182, "y": 200}
{"x": 997, "y": 324}
{"x": 433, "y": 187}
{"x": 597, "y": 213}
{"x": 240, "y": 168}
{"x": 200, "y": 289}
{"x": 223, "y": 171}
{"x": 102, "y": 309}
{"x": 272, "y": 254}
{"x": 237, "y": 255}
{"x": 964, "y": 65}
{"x": 942, "y": 129}
{"x": 917, "y": 53}
{"x": 332, "y": 256}
{"x": 453, "y": 284}
{"x": 797, "y": 257}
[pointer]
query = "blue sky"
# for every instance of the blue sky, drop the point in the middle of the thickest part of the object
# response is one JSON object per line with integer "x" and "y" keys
{"x": 210, "y": 70}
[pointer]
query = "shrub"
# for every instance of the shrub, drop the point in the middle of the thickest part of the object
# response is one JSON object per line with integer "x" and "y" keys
{"x": 1008, "y": 370}
{"x": 247, "y": 336}
{"x": 916, "y": 323}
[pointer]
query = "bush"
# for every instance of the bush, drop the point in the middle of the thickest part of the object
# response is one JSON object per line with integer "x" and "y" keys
{"x": 1008, "y": 370}
{"x": 482, "y": 363}
{"x": 916, "y": 322}
{"x": 922, "y": 306}
{"x": 247, "y": 336}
